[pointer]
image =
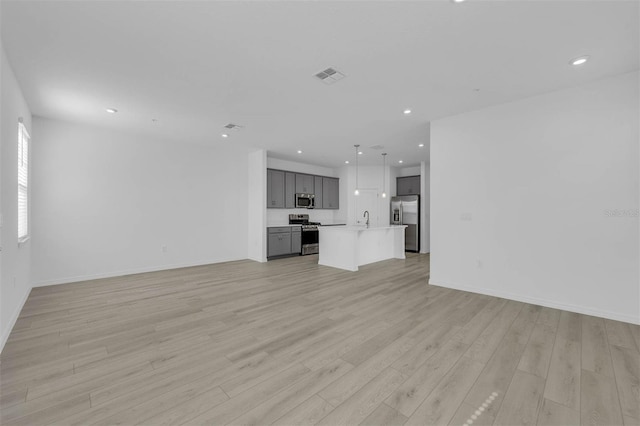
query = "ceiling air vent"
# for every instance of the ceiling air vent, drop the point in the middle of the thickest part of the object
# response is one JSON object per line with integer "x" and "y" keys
{"x": 232, "y": 126}
{"x": 329, "y": 76}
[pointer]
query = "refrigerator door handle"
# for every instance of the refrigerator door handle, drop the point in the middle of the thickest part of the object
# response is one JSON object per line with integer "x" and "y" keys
{"x": 400, "y": 209}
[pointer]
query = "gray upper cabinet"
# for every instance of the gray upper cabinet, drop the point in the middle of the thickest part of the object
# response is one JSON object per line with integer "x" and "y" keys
{"x": 282, "y": 187}
{"x": 317, "y": 186}
{"x": 289, "y": 190}
{"x": 330, "y": 193}
{"x": 408, "y": 185}
{"x": 304, "y": 184}
{"x": 275, "y": 189}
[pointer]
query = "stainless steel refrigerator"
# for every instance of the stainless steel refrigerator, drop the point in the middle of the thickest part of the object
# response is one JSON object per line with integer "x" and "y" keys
{"x": 405, "y": 210}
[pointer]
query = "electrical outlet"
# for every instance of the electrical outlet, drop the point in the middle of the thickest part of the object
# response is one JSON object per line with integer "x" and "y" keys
{"x": 479, "y": 264}
{"x": 466, "y": 217}
{"x": 164, "y": 249}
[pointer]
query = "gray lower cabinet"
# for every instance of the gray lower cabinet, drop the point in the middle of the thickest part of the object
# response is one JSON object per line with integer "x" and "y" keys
{"x": 296, "y": 240}
{"x": 330, "y": 193}
{"x": 275, "y": 189}
{"x": 279, "y": 244}
{"x": 284, "y": 241}
{"x": 408, "y": 185}
{"x": 304, "y": 184}
{"x": 289, "y": 190}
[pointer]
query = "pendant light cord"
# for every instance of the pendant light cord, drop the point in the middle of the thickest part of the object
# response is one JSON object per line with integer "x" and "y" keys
{"x": 384, "y": 172}
{"x": 356, "y": 146}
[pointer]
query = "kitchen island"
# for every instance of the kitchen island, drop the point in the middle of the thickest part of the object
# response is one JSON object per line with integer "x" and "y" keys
{"x": 347, "y": 247}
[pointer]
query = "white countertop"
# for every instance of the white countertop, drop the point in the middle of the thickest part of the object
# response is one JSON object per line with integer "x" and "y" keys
{"x": 359, "y": 228}
{"x": 278, "y": 225}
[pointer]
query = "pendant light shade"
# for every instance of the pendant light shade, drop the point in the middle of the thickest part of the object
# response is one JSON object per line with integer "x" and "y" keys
{"x": 384, "y": 169}
{"x": 357, "y": 191}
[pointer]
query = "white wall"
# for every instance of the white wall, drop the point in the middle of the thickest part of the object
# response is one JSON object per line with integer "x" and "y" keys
{"x": 369, "y": 181}
{"x": 15, "y": 281}
{"x": 294, "y": 166}
{"x": 105, "y": 203}
{"x": 522, "y": 195}
{"x": 280, "y": 217}
{"x": 257, "y": 217}
{"x": 425, "y": 223}
{"x": 408, "y": 171}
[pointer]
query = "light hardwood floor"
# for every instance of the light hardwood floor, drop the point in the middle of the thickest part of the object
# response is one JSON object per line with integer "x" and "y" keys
{"x": 289, "y": 342}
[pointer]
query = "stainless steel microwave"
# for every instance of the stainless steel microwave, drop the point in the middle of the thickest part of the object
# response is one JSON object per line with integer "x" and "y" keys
{"x": 305, "y": 201}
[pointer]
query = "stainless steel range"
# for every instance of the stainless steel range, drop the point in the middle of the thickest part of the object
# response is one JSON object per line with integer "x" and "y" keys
{"x": 309, "y": 232}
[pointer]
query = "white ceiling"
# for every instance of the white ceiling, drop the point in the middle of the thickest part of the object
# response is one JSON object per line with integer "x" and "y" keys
{"x": 196, "y": 66}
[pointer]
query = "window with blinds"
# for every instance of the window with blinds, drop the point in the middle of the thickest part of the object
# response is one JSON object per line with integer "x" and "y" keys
{"x": 23, "y": 183}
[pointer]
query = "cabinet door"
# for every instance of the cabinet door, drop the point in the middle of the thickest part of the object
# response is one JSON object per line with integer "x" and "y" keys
{"x": 279, "y": 244}
{"x": 289, "y": 190}
{"x": 304, "y": 184}
{"x": 296, "y": 241}
{"x": 330, "y": 193}
{"x": 408, "y": 185}
{"x": 317, "y": 187}
{"x": 269, "y": 194}
{"x": 275, "y": 189}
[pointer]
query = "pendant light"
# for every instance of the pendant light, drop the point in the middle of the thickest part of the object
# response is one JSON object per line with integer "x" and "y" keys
{"x": 357, "y": 191}
{"x": 384, "y": 168}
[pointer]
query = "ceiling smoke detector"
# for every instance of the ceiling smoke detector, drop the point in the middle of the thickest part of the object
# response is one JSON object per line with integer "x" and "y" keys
{"x": 330, "y": 76}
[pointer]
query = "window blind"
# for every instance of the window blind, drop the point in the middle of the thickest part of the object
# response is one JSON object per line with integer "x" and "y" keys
{"x": 23, "y": 182}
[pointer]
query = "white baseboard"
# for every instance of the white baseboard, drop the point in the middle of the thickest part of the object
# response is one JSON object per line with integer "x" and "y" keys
{"x": 12, "y": 321}
{"x": 543, "y": 302}
{"x": 120, "y": 273}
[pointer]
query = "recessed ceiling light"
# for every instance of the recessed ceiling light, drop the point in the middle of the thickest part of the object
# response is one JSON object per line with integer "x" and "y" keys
{"x": 359, "y": 152}
{"x": 346, "y": 162}
{"x": 112, "y": 110}
{"x": 421, "y": 145}
{"x": 457, "y": 1}
{"x": 400, "y": 161}
{"x": 224, "y": 135}
{"x": 579, "y": 60}
{"x": 407, "y": 111}
{"x": 299, "y": 152}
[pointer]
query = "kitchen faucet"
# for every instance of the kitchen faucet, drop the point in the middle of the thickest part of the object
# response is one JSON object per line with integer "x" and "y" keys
{"x": 366, "y": 214}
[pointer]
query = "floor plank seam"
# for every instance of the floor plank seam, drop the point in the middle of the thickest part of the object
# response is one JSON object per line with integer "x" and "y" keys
{"x": 579, "y": 409}
{"x": 546, "y": 382}
{"x": 615, "y": 375}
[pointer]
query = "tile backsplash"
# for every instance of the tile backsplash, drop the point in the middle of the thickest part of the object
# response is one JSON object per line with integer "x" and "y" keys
{"x": 277, "y": 217}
